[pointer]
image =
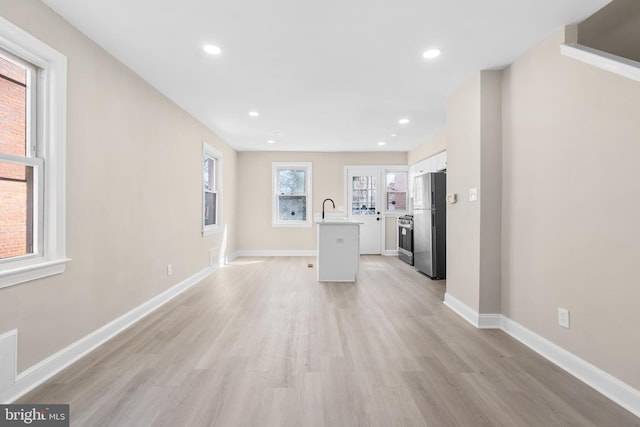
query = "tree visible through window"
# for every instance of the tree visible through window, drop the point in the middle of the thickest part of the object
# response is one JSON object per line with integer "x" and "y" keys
{"x": 211, "y": 189}
{"x": 364, "y": 191}
{"x": 292, "y": 191}
{"x": 292, "y": 199}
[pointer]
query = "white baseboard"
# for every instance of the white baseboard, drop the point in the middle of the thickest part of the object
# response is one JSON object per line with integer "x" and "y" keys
{"x": 610, "y": 386}
{"x": 605, "y": 383}
{"x": 489, "y": 321}
{"x": 8, "y": 348}
{"x": 27, "y": 380}
{"x": 481, "y": 321}
{"x": 230, "y": 257}
{"x": 270, "y": 253}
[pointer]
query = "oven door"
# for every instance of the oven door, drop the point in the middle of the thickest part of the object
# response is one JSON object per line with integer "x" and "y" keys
{"x": 405, "y": 243}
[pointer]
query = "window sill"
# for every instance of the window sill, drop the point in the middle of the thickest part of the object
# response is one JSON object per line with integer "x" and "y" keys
{"x": 33, "y": 271}
{"x": 210, "y": 231}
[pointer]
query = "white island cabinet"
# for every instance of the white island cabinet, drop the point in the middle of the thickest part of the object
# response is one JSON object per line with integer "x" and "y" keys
{"x": 338, "y": 250}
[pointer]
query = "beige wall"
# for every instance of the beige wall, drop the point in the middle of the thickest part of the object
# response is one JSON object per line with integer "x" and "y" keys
{"x": 614, "y": 29}
{"x": 571, "y": 191}
{"x": 474, "y": 161}
{"x": 433, "y": 146}
{"x": 391, "y": 233}
{"x": 490, "y": 190}
{"x": 134, "y": 171}
{"x": 254, "y": 184}
{"x": 463, "y": 173}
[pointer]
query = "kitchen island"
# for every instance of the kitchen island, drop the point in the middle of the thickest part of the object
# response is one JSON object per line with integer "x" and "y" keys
{"x": 338, "y": 250}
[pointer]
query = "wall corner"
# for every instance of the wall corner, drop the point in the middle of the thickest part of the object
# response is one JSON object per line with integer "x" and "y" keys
{"x": 571, "y": 34}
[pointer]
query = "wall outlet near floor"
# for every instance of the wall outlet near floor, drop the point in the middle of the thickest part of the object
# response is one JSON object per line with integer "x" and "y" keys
{"x": 169, "y": 269}
{"x": 563, "y": 317}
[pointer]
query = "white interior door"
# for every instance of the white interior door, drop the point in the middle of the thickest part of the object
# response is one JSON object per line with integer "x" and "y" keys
{"x": 364, "y": 193}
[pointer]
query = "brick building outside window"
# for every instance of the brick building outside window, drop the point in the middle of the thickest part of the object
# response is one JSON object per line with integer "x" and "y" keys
{"x": 16, "y": 180}
{"x": 33, "y": 104}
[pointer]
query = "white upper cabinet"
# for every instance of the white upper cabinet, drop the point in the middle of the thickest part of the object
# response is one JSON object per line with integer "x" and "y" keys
{"x": 434, "y": 163}
{"x": 423, "y": 166}
{"x": 440, "y": 161}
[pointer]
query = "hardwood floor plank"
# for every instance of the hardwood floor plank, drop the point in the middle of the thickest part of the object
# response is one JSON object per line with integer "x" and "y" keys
{"x": 262, "y": 343}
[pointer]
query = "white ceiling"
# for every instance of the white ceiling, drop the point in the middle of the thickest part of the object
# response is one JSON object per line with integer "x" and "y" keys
{"x": 330, "y": 75}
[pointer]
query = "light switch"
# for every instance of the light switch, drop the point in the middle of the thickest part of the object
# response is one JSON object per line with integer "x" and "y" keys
{"x": 452, "y": 198}
{"x": 473, "y": 194}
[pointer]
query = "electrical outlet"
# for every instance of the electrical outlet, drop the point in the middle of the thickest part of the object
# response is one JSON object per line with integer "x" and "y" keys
{"x": 563, "y": 317}
{"x": 169, "y": 269}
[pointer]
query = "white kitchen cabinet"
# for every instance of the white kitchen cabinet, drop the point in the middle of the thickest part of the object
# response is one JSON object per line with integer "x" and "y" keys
{"x": 338, "y": 250}
{"x": 435, "y": 163}
{"x": 440, "y": 161}
{"x": 423, "y": 166}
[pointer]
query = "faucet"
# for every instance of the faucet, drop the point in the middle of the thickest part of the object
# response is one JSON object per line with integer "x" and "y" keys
{"x": 323, "y": 202}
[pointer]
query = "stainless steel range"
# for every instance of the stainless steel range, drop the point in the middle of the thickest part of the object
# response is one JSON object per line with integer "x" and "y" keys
{"x": 405, "y": 238}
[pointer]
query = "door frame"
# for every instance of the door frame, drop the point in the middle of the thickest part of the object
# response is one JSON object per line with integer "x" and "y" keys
{"x": 384, "y": 214}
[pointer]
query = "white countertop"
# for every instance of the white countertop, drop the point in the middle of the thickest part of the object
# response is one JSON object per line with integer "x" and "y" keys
{"x": 337, "y": 221}
{"x": 334, "y": 217}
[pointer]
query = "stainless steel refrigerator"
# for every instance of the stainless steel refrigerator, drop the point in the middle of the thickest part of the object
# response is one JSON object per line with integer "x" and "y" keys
{"x": 430, "y": 224}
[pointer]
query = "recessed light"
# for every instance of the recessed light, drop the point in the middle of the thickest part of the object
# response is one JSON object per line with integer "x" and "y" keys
{"x": 381, "y": 143}
{"x": 254, "y": 113}
{"x": 212, "y": 49}
{"x": 271, "y": 141}
{"x": 431, "y": 53}
{"x": 403, "y": 121}
{"x": 393, "y": 135}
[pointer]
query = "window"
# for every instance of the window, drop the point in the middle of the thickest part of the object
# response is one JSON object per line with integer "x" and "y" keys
{"x": 18, "y": 163}
{"x": 291, "y": 194}
{"x": 364, "y": 194}
{"x": 396, "y": 190}
{"x": 211, "y": 189}
{"x": 32, "y": 154}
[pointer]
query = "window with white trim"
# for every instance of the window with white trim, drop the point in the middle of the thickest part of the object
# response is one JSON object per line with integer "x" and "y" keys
{"x": 395, "y": 190}
{"x": 211, "y": 189}
{"x": 32, "y": 157}
{"x": 291, "y": 194}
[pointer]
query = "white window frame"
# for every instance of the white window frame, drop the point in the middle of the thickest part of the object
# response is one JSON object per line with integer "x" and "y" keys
{"x": 209, "y": 152}
{"x": 307, "y": 167}
{"x": 51, "y": 108}
{"x": 404, "y": 169}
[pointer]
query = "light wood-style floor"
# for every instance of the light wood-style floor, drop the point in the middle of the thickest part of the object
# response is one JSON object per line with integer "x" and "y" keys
{"x": 262, "y": 343}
